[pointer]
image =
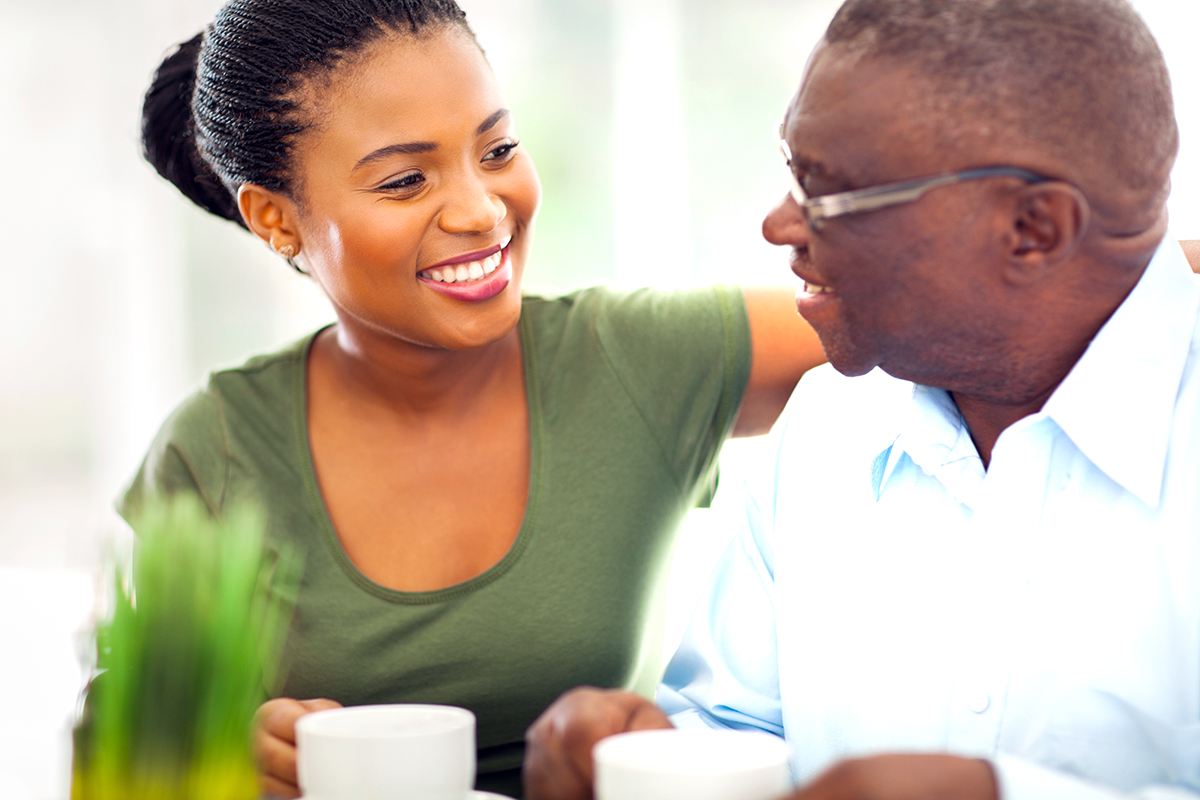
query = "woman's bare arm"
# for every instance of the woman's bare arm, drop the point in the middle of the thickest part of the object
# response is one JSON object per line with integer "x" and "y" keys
{"x": 783, "y": 348}
{"x": 1191, "y": 249}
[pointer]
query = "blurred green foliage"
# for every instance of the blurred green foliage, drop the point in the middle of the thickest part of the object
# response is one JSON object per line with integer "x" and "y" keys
{"x": 184, "y": 659}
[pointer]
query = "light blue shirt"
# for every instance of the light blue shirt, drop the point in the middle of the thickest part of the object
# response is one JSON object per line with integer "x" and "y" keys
{"x": 887, "y": 593}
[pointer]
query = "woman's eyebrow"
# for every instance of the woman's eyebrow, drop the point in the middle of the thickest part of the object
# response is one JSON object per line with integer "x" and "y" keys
{"x": 410, "y": 148}
{"x": 407, "y": 148}
{"x": 491, "y": 121}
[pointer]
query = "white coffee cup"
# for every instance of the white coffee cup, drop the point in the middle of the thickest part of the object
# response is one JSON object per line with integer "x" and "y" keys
{"x": 418, "y": 752}
{"x": 692, "y": 763}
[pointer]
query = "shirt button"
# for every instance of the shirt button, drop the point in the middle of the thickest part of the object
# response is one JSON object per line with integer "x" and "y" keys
{"x": 981, "y": 702}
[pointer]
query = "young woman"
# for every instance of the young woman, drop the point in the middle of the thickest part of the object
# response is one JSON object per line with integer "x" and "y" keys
{"x": 486, "y": 486}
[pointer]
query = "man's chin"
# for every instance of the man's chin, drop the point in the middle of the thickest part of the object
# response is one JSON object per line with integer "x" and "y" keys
{"x": 852, "y": 370}
{"x": 845, "y": 360}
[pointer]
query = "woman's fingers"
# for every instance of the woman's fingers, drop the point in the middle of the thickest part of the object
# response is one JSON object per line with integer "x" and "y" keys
{"x": 274, "y": 742}
{"x": 273, "y": 789}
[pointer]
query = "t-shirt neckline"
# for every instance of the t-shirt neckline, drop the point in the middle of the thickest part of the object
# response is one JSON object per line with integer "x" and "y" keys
{"x": 325, "y": 522}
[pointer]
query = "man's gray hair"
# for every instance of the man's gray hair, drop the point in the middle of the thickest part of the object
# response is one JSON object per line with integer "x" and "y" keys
{"x": 1082, "y": 79}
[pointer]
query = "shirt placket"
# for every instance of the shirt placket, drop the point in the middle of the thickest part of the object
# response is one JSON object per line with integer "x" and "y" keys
{"x": 1006, "y": 516}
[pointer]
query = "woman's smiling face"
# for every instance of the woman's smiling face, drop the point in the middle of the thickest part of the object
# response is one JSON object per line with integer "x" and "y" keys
{"x": 416, "y": 202}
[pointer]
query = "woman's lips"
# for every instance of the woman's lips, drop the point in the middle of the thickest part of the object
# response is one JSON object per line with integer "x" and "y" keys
{"x": 473, "y": 281}
{"x": 468, "y": 266}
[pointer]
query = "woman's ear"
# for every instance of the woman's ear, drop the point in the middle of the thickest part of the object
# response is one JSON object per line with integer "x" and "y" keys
{"x": 271, "y": 216}
{"x": 1047, "y": 226}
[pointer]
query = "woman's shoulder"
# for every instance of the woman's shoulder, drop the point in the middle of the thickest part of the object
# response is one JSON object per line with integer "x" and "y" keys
{"x": 642, "y": 301}
{"x": 264, "y": 369}
{"x": 257, "y": 388}
{"x": 657, "y": 346}
{"x": 260, "y": 395}
{"x": 248, "y": 405}
{"x": 641, "y": 328}
{"x": 648, "y": 316}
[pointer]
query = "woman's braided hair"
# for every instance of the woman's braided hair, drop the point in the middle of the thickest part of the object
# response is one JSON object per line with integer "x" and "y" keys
{"x": 221, "y": 110}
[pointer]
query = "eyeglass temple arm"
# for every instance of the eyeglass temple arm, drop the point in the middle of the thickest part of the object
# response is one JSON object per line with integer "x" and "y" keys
{"x": 903, "y": 192}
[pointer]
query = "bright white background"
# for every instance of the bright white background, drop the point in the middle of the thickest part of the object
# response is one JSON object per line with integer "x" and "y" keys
{"x": 650, "y": 121}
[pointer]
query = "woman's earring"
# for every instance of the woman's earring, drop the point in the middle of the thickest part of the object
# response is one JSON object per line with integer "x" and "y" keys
{"x": 289, "y": 251}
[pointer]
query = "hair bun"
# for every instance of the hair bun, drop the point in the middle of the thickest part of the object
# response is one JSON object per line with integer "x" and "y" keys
{"x": 168, "y": 140}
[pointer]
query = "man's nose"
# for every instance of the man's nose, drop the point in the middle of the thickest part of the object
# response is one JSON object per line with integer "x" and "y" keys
{"x": 785, "y": 224}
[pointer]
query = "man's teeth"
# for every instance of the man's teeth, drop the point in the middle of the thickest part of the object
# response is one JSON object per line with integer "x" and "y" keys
{"x": 465, "y": 273}
{"x": 813, "y": 288}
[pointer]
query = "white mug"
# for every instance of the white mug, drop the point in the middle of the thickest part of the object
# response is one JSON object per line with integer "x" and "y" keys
{"x": 691, "y": 763}
{"x": 384, "y": 752}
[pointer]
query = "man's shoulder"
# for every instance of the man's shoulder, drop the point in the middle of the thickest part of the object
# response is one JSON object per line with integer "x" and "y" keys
{"x": 833, "y": 421}
{"x": 826, "y": 449}
{"x": 827, "y": 397}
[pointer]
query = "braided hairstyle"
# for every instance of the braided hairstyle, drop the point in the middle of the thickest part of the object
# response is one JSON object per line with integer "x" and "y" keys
{"x": 221, "y": 110}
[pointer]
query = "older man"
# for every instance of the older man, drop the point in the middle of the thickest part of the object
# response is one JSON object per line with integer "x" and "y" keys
{"x": 975, "y": 570}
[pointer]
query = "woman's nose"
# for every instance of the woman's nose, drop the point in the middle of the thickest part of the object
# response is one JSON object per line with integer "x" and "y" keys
{"x": 785, "y": 224}
{"x": 472, "y": 209}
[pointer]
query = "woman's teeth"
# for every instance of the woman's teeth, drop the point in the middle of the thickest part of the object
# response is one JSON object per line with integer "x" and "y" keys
{"x": 813, "y": 288}
{"x": 465, "y": 273}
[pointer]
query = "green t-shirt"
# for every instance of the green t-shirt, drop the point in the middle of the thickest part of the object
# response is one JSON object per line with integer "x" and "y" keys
{"x": 630, "y": 397}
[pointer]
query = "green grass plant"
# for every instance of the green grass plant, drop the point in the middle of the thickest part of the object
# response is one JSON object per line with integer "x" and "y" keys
{"x": 184, "y": 659}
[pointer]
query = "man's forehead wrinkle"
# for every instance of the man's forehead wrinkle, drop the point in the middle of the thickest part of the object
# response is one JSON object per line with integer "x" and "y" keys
{"x": 860, "y": 120}
{"x": 1080, "y": 82}
{"x": 921, "y": 125}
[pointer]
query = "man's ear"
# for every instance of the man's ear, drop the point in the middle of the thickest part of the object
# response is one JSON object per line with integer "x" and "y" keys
{"x": 1047, "y": 226}
{"x": 271, "y": 216}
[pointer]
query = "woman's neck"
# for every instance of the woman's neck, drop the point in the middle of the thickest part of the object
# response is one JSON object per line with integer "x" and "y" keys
{"x": 413, "y": 380}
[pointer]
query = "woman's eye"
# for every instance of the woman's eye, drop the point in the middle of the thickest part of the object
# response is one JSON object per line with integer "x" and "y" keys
{"x": 407, "y": 182}
{"x": 502, "y": 153}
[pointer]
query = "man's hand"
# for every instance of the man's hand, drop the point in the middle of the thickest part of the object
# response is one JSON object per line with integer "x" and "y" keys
{"x": 558, "y": 752}
{"x": 904, "y": 777}
{"x": 274, "y": 737}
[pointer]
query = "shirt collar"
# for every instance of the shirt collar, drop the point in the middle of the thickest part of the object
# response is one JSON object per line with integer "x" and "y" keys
{"x": 1117, "y": 404}
{"x": 933, "y": 435}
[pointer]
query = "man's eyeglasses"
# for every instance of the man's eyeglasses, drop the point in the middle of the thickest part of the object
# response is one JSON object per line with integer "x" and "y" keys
{"x": 818, "y": 209}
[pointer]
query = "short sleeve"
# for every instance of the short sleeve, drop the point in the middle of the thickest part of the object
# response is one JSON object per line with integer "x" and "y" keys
{"x": 189, "y": 454}
{"x": 684, "y": 360}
